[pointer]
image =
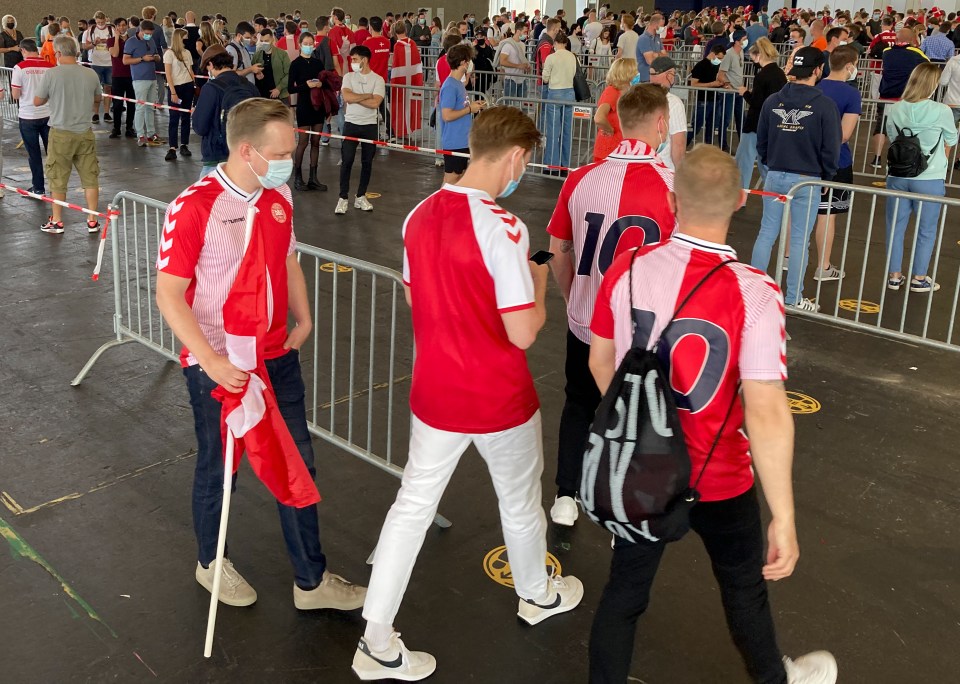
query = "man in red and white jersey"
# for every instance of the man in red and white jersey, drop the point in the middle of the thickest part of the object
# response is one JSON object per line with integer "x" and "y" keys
{"x": 604, "y": 208}
{"x": 341, "y": 39}
{"x": 477, "y": 304}
{"x": 201, "y": 249}
{"x": 34, "y": 121}
{"x": 729, "y": 338}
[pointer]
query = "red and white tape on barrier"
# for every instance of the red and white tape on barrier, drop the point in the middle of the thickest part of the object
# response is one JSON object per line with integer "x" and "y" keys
{"x": 106, "y": 216}
{"x": 155, "y": 105}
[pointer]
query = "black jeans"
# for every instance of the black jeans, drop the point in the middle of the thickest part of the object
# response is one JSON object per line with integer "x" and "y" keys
{"x": 32, "y": 131}
{"x": 180, "y": 121}
{"x": 348, "y": 152}
{"x": 583, "y": 397}
{"x": 300, "y": 526}
{"x": 732, "y": 534}
{"x": 122, "y": 86}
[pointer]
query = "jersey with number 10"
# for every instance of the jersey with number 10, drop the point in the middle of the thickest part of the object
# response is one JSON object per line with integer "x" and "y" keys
{"x": 606, "y": 208}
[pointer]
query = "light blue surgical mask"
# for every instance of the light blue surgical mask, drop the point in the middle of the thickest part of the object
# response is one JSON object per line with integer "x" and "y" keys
{"x": 715, "y": 62}
{"x": 147, "y": 36}
{"x": 307, "y": 50}
{"x": 635, "y": 80}
{"x": 278, "y": 171}
{"x": 512, "y": 185}
{"x": 663, "y": 142}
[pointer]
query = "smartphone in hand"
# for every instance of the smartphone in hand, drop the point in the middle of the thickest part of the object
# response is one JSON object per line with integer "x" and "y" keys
{"x": 542, "y": 257}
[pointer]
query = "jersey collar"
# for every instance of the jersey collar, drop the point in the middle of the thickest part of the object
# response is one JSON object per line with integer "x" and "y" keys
{"x": 631, "y": 149}
{"x": 691, "y": 242}
{"x": 460, "y": 190}
{"x": 233, "y": 189}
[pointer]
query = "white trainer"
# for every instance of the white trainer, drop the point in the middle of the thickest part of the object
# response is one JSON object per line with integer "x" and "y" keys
{"x": 564, "y": 511}
{"x": 362, "y": 203}
{"x": 818, "y": 667}
{"x": 333, "y": 592}
{"x": 342, "y": 205}
{"x": 565, "y": 595}
{"x": 394, "y": 663}
{"x": 234, "y": 590}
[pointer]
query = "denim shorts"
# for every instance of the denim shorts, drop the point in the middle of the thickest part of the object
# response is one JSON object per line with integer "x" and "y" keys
{"x": 104, "y": 73}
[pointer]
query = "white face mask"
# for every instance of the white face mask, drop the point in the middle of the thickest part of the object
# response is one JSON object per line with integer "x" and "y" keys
{"x": 843, "y": 42}
{"x": 853, "y": 74}
{"x": 356, "y": 67}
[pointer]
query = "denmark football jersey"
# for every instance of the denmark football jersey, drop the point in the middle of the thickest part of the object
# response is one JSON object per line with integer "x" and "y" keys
{"x": 731, "y": 329}
{"x": 202, "y": 240}
{"x": 606, "y": 208}
{"x": 465, "y": 260}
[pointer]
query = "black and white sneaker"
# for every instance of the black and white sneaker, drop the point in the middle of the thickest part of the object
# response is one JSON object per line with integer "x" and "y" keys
{"x": 565, "y": 594}
{"x": 394, "y": 663}
{"x": 876, "y": 163}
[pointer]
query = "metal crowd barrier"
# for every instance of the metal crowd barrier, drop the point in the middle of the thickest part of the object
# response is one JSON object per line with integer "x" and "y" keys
{"x": 9, "y": 109}
{"x": 861, "y": 299}
{"x": 582, "y": 132}
{"x": 356, "y": 364}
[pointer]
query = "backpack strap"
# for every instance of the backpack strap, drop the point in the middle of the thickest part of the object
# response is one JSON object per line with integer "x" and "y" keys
{"x": 716, "y": 440}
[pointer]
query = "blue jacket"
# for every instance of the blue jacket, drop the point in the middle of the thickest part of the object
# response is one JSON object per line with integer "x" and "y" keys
{"x": 899, "y": 62}
{"x": 206, "y": 116}
{"x": 799, "y": 132}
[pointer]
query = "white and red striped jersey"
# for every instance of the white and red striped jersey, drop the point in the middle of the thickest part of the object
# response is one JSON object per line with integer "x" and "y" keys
{"x": 465, "y": 260}
{"x": 606, "y": 208}
{"x": 202, "y": 240}
{"x": 26, "y": 76}
{"x": 732, "y": 328}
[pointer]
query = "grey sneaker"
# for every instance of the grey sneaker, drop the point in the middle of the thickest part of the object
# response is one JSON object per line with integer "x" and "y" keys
{"x": 829, "y": 273}
{"x": 565, "y": 594}
{"x": 362, "y": 203}
{"x": 334, "y": 592}
{"x": 819, "y": 667}
{"x": 342, "y": 206}
{"x": 234, "y": 590}
{"x": 395, "y": 663}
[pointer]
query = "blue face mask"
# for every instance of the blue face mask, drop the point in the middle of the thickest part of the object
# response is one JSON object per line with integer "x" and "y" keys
{"x": 278, "y": 172}
{"x": 512, "y": 185}
{"x": 147, "y": 36}
{"x": 635, "y": 80}
{"x": 307, "y": 50}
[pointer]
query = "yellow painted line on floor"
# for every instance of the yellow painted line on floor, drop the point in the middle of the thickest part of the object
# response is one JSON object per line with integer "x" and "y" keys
{"x": 19, "y": 547}
{"x": 18, "y": 510}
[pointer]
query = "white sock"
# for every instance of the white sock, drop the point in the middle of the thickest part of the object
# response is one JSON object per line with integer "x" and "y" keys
{"x": 377, "y": 636}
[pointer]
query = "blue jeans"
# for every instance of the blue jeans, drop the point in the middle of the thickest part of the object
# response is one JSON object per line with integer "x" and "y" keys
{"x": 731, "y": 106}
{"x": 300, "y": 526}
{"x": 703, "y": 113}
{"x": 803, "y": 214}
{"x": 746, "y": 156}
{"x": 898, "y": 220}
{"x": 559, "y": 127}
{"x": 514, "y": 89}
{"x": 33, "y": 131}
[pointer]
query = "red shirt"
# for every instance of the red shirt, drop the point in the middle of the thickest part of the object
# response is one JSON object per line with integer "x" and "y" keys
{"x": 465, "y": 261}
{"x": 361, "y": 36}
{"x": 731, "y": 329}
{"x": 340, "y": 37}
{"x": 544, "y": 50}
{"x": 202, "y": 240}
{"x": 606, "y": 208}
{"x": 283, "y": 42}
{"x": 379, "y": 55}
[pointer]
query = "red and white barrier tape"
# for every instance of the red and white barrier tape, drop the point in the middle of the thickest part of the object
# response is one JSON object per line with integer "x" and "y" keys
{"x": 156, "y": 105}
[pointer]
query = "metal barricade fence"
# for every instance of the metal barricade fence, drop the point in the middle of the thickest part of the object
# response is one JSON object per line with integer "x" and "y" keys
{"x": 424, "y": 135}
{"x": 548, "y": 116}
{"x": 877, "y": 225}
{"x": 356, "y": 364}
{"x": 9, "y": 109}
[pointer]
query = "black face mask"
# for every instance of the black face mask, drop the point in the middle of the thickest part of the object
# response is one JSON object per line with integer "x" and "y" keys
{"x": 10, "y": 26}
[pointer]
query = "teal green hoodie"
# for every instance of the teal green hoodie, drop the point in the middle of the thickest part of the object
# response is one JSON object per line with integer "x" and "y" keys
{"x": 927, "y": 120}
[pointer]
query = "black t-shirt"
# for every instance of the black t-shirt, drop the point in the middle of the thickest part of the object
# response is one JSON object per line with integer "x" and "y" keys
{"x": 193, "y": 35}
{"x": 267, "y": 83}
{"x": 704, "y": 71}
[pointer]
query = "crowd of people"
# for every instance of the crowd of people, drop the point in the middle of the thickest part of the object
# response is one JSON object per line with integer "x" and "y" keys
{"x": 644, "y": 205}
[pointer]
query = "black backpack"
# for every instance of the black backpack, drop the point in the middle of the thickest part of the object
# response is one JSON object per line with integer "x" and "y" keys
{"x": 636, "y": 469}
{"x": 234, "y": 92}
{"x": 905, "y": 158}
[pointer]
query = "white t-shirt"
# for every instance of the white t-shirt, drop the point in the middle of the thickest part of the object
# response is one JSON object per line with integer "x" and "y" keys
{"x": 676, "y": 124}
{"x": 99, "y": 54}
{"x": 628, "y": 43}
{"x": 26, "y": 76}
{"x": 511, "y": 50}
{"x": 362, "y": 84}
{"x": 181, "y": 74}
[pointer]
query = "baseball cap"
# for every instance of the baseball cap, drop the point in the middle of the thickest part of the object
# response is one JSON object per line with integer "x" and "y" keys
{"x": 662, "y": 64}
{"x": 805, "y": 60}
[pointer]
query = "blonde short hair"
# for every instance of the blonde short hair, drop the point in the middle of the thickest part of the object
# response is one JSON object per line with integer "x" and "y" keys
{"x": 763, "y": 47}
{"x": 247, "y": 120}
{"x": 707, "y": 184}
{"x": 621, "y": 72}
{"x": 923, "y": 80}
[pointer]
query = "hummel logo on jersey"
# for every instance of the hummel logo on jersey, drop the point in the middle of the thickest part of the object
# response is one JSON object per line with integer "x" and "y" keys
{"x": 514, "y": 236}
{"x": 791, "y": 118}
{"x": 395, "y": 663}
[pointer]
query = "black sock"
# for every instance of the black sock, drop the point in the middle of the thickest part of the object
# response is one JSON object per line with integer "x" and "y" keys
{"x": 572, "y": 493}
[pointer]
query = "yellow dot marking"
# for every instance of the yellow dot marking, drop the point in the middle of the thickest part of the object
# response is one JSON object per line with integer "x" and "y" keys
{"x": 802, "y": 404}
{"x": 328, "y": 268}
{"x": 862, "y": 305}
{"x": 497, "y": 567}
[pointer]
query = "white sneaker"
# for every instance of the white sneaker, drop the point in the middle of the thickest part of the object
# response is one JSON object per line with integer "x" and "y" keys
{"x": 362, "y": 203}
{"x": 805, "y": 305}
{"x": 406, "y": 666}
{"x": 564, "y": 511}
{"x": 234, "y": 590}
{"x": 565, "y": 594}
{"x": 818, "y": 667}
{"x": 342, "y": 205}
{"x": 333, "y": 592}
{"x": 829, "y": 273}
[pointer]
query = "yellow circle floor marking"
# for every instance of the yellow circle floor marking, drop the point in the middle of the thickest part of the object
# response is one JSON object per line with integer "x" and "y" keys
{"x": 328, "y": 268}
{"x": 373, "y": 195}
{"x": 862, "y": 305}
{"x": 497, "y": 566}
{"x": 802, "y": 403}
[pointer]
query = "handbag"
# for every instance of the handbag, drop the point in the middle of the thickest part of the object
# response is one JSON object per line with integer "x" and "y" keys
{"x": 581, "y": 89}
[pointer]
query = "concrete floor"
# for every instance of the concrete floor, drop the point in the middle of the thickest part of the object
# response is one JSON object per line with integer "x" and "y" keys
{"x": 98, "y": 585}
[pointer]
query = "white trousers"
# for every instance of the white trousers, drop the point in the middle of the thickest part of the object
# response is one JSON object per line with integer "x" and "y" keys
{"x": 515, "y": 460}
